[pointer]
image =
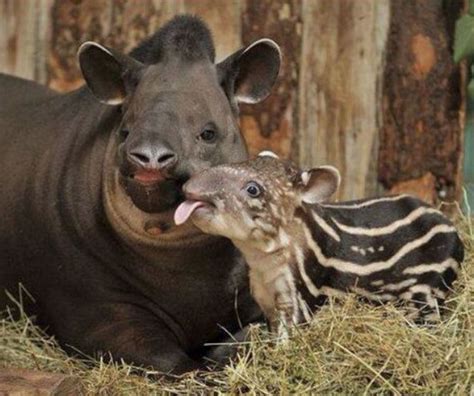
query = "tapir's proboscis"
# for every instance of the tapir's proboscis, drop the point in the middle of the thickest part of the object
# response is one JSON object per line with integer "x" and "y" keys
{"x": 90, "y": 180}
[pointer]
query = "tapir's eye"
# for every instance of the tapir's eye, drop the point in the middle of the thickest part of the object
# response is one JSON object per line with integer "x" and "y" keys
{"x": 253, "y": 189}
{"x": 124, "y": 133}
{"x": 208, "y": 135}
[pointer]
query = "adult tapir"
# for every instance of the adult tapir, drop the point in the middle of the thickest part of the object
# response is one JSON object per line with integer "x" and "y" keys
{"x": 89, "y": 183}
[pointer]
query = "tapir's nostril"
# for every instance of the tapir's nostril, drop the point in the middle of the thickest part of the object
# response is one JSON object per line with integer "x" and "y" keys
{"x": 159, "y": 159}
{"x": 140, "y": 158}
{"x": 166, "y": 158}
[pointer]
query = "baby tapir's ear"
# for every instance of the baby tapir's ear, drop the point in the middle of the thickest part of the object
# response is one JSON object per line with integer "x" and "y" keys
{"x": 319, "y": 184}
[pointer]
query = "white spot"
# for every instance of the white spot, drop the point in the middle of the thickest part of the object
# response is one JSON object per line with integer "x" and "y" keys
{"x": 381, "y": 249}
{"x": 284, "y": 237}
{"x": 378, "y": 282}
{"x": 371, "y": 249}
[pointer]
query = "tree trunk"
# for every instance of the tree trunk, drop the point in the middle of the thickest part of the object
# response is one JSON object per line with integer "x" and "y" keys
{"x": 422, "y": 99}
{"x": 273, "y": 123}
{"x": 341, "y": 70}
{"x": 380, "y": 109}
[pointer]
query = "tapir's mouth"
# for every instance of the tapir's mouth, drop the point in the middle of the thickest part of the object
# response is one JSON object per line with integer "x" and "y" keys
{"x": 187, "y": 208}
{"x": 152, "y": 192}
{"x": 148, "y": 177}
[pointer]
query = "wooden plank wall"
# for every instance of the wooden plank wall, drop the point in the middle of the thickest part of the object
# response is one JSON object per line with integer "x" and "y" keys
{"x": 347, "y": 65}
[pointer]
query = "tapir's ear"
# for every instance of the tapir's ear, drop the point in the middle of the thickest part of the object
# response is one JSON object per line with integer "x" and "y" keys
{"x": 249, "y": 74}
{"x": 267, "y": 153}
{"x": 109, "y": 75}
{"x": 319, "y": 184}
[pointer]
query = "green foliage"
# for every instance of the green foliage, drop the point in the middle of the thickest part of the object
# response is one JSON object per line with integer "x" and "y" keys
{"x": 464, "y": 38}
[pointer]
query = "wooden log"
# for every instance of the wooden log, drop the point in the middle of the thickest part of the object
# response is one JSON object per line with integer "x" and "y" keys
{"x": 424, "y": 188}
{"x": 24, "y": 37}
{"x": 273, "y": 123}
{"x": 29, "y": 382}
{"x": 422, "y": 97}
{"x": 119, "y": 24}
{"x": 223, "y": 20}
{"x": 339, "y": 96}
{"x": 123, "y": 24}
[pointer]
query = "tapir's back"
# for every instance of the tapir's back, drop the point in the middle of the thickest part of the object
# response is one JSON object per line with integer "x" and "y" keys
{"x": 385, "y": 248}
{"x": 46, "y": 138}
{"x": 15, "y": 91}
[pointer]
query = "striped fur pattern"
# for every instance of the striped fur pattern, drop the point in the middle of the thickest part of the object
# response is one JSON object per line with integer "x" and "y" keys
{"x": 301, "y": 250}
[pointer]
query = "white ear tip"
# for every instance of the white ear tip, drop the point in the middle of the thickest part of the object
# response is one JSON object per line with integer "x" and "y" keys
{"x": 267, "y": 153}
{"x": 335, "y": 171}
{"x": 87, "y": 44}
{"x": 268, "y": 42}
{"x": 305, "y": 177}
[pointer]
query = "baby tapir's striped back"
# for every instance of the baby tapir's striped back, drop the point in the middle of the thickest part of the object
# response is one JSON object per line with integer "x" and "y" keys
{"x": 385, "y": 249}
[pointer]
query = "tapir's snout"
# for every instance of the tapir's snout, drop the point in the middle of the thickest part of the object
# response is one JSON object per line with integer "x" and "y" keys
{"x": 159, "y": 158}
{"x": 201, "y": 187}
{"x": 201, "y": 192}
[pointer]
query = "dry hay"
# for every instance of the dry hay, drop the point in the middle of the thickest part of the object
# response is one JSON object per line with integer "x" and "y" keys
{"x": 350, "y": 348}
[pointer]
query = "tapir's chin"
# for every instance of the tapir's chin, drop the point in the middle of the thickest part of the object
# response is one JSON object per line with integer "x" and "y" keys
{"x": 157, "y": 197}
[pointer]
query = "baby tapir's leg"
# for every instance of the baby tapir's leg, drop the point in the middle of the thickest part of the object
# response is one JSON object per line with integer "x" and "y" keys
{"x": 424, "y": 303}
{"x": 285, "y": 315}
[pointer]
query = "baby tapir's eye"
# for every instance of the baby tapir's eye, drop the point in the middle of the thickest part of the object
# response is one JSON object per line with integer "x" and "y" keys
{"x": 253, "y": 189}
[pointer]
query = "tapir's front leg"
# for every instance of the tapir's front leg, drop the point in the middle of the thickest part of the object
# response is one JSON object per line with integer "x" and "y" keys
{"x": 133, "y": 334}
{"x": 284, "y": 317}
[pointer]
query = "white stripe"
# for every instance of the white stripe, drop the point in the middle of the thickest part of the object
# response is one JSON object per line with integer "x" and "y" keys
{"x": 400, "y": 285}
{"x": 366, "y": 203}
{"x": 378, "y": 282}
{"x": 325, "y": 226}
{"x": 433, "y": 267}
{"x": 331, "y": 292}
{"x": 347, "y": 266}
{"x": 372, "y": 296}
{"x": 304, "y": 308}
{"x": 307, "y": 281}
{"x": 294, "y": 301}
{"x": 389, "y": 228}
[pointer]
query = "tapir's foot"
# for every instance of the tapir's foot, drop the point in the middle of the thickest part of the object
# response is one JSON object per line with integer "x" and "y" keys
{"x": 226, "y": 350}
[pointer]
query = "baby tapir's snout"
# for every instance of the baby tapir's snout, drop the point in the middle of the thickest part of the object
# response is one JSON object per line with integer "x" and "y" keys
{"x": 203, "y": 186}
{"x": 203, "y": 190}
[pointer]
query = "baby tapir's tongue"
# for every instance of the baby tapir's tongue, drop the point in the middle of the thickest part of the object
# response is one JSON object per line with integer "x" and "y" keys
{"x": 185, "y": 210}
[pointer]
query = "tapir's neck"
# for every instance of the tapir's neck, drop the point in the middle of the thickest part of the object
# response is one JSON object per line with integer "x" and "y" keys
{"x": 131, "y": 224}
{"x": 262, "y": 261}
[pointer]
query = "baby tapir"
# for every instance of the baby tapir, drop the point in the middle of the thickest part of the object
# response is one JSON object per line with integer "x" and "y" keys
{"x": 301, "y": 250}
